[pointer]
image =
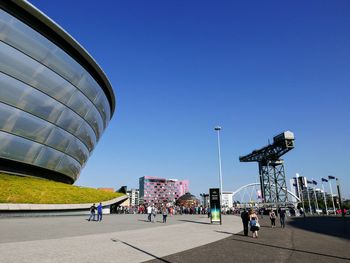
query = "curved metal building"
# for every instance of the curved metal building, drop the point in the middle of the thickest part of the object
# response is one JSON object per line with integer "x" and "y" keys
{"x": 55, "y": 101}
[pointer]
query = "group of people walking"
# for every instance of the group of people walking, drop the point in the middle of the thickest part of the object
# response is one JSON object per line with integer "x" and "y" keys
{"x": 93, "y": 209}
{"x": 282, "y": 215}
{"x": 152, "y": 212}
{"x": 250, "y": 219}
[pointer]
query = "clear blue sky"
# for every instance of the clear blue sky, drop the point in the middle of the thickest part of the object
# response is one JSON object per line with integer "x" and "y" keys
{"x": 179, "y": 68}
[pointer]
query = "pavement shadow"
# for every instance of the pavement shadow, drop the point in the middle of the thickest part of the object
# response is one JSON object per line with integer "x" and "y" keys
{"x": 196, "y": 222}
{"x": 143, "y": 220}
{"x": 262, "y": 226}
{"x": 328, "y": 225}
{"x": 240, "y": 234}
{"x": 224, "y": 232}
{"x": 290, "y": 249}
{"x": 141, "y": 250}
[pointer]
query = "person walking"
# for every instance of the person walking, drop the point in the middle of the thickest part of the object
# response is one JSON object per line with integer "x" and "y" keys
{"x": 92, "y": 212}
{"x": 165, "y": 214}
{"x": 273, "y": 218}
{"x": 254, "y": 224}
{"x": 153, "y": 213}
{"x": 99, "y": 212}
{"x": 282, "y": 213}
{"x": 149, "y": 213}
{"x": 245, "y": 221}
{"x": 261, "y": 212}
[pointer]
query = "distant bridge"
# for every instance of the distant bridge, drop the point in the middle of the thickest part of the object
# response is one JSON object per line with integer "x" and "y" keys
{"x": 249, "y": 193}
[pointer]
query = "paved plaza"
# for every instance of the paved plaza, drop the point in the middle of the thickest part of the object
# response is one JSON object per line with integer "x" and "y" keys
{"x": 118, "y": 238}
{"x": 313, "y": 239}
{"x": 185, "y": 238}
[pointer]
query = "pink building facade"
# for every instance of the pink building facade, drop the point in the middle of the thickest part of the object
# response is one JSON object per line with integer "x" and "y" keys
{"x": 155, "y": 190}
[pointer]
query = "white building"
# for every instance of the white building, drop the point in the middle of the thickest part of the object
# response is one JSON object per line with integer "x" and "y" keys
{"x": 134, "y": 195}
{"x": 227, "y": 199}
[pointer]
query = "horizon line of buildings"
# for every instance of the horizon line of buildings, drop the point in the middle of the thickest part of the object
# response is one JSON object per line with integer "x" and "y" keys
{"x": 306, "y": 191}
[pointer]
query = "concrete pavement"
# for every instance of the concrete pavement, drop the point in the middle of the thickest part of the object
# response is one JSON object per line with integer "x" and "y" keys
{"x": 187, "y": 238}
{"x": 313, "y": 239}
{"x": 118, "y": 238}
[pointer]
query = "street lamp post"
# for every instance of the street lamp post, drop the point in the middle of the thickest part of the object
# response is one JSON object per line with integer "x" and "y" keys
{"x": 324, "y": 195}
{"x": 330, "y": 186}
{"x": 218, "y": 129}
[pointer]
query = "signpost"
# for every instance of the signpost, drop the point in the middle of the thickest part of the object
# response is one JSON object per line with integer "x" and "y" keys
{"x": 215, "y": 210}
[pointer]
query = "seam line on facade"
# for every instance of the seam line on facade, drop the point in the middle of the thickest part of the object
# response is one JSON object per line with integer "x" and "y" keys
{"x": 65, "y": 80}
{"x": 39, "y": 22}
{"x": 44, "y": 145}
{"x": 41, "y": 143}
{"x": 14, "y": 106}
{"x": 45, "y": 119}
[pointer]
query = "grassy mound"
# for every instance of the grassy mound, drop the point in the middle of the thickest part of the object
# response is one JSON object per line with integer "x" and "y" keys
{"x": 17, "y": 189}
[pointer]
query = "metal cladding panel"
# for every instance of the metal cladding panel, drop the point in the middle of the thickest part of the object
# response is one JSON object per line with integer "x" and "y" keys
{"x": 52, "y": 110}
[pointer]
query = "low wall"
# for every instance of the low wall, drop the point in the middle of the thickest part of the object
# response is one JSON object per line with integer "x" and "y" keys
{"x": 54, "y": 209}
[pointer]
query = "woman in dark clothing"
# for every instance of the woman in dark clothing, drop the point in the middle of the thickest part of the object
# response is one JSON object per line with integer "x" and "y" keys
{"x": 273, "y": 218}
{"x": 245, "y": 221}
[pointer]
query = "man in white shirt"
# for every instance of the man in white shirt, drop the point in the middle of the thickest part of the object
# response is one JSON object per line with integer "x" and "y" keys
{"x": 149, "y": 212}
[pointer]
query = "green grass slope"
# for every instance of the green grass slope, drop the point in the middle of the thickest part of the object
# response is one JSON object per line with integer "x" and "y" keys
{"x": 17, "y": 189}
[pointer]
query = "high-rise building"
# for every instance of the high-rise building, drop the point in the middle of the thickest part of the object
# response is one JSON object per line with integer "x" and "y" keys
{"x": 134, "y": 195}
{"x": 155, "y": 190}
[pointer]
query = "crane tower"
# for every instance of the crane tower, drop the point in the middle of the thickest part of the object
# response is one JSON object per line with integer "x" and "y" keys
{"x": 271, "y": 168}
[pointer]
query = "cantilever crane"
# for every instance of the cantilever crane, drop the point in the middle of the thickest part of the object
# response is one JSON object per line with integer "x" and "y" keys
{"x": 271, "y": 168}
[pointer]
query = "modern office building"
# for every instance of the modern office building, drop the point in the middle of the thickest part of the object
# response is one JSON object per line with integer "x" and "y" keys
{"x": 155, "y": 190}
{"x": 55, "y": 101}
{"x": 134, "y": 195}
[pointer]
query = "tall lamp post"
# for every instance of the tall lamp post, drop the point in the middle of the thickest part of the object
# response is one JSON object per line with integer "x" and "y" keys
{"x": 330, "y": 186}
{"x": 218, "y": 129}
{"x": 314, "y": 190}
{"x": 308, "y": 196}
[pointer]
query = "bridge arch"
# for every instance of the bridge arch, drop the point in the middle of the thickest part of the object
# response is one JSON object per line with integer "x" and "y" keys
{"x": 254, "y": 187}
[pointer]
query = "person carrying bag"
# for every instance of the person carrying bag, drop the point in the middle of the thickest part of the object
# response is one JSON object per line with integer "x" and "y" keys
{"x": 254, "y": 224}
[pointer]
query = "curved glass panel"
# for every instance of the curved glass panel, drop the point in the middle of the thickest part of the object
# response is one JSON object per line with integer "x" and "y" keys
{"x": 48, "y": 158}
{"x": 22, "y": 67}
{"x": 52, "y": 111}
{"x": 17, "y": 122}
{"x": 25, "y": 97}
{"x": 59, "y": 139}
{"x": 17, "y": 148}
{"x": 86, "y": 135}
{"x": 69, "y": 166}
{"x": 96, "y": 122}
{"x": 69, "y": 122}
{"x": 16, "y": 93}
{"x": 30, "y": 127}
{"x": 78, "y": 103}
{"x": 21, "y": 36}
{"x": 78, "y": 150}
